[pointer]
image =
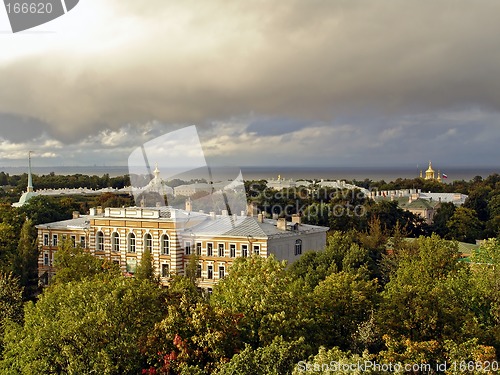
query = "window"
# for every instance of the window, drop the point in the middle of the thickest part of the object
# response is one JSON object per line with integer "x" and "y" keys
{"x": 54, "y": 240}
{"x": 165, "y": 271}
{"x": 165, "y": 245}
{"x": 221, "y": 272}
{"x": 298, "y": 247}
{"x": 198, "y": 271}
{"x": 115, "y": 242}
{"x": 244, "y": 251}
{"x": 99, "y": 241}
{"x": 256, "y": 249}
{"x": 210, "y": 272}
{"x": 148, "y": 243}
{"x": 221, "y": 249}
{"x": 82, "y": 241}
{"x": 46, "y": 239}
{"x": 210, "y": 249}
{"x": 187, "y": 248}
{"x": 73, "y": 240}
{"x": 45, "y": 259}
{"x": 131, "y": 243}
{"x": 232, "y": 250}
{"x": 198, "y": 248}
{"x": 116, "y": 261}
{"x": 209, "y": 290}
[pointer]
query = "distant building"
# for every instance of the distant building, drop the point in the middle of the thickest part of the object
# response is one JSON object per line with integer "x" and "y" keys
{"x": 430, "y": 174}
{"x": 173, "y": 236}
{"x": 424, "y": 205}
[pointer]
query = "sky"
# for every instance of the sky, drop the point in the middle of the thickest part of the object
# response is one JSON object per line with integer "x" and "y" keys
{"x": 341, "y": 83}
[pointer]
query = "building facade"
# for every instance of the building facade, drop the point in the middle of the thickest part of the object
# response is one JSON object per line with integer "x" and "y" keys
{"x": 174, "y": 236}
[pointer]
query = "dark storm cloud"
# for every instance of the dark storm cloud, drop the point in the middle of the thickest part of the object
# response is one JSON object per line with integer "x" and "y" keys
{"x": 291, "y": 65}
{"x": 17, "y": 128}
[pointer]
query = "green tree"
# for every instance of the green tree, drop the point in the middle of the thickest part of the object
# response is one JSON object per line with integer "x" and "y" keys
{"x": 193, "y": 335}
{"x": 25, "y": 263}
{"x": 145, "y": 270}
{"x": 277, "y": 358}
{"x": 464, "y": 225}
{"x": 11, "y": 302}
{"x": 259, "y": 289}
{"x": 90, "y": 326}
{"x": 75, "y": 264}
{"x": 429, "y": 296}
{"x": 341, "y": 303}
{"x": 441, "y": 218}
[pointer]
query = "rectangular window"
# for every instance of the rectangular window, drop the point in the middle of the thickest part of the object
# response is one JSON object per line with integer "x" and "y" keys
{"x": 45, "y": 259}
{"x": 209, "y": 290}
{"x": 82, "y": 241}
{"x": 256, "y": 249}
{"x": 210, "y": 272}
{"x": 73, "y": 240}
{"x": 210, "y": 249}
{"x": 232, "y": 250}
{"x": 244, "y": 251}
{"x": 221, "y": 272}
{"x": 198, "y": 248}
{"x": 46, "y": 239}
{"x": 298, "y": 247}
{"x": 54, "y": 240}
{"x": 164, "y": 270}
{"x": 187, "y": 248}
{"x": 221, "y": 249}
{"x": 198, "y": 271}
{"x": 116, "y": 261}
{"x": 165, "y": 249}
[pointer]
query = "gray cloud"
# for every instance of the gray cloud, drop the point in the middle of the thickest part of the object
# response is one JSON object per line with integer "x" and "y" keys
{"x": 314, "y": 62}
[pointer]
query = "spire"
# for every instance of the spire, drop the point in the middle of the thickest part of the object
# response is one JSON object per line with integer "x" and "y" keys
{"x": 30, "y": 180}
{"x": 156, "y": 171}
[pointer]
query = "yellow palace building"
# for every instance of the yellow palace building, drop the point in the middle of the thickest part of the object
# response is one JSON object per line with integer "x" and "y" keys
{"x": 173, "y": 236}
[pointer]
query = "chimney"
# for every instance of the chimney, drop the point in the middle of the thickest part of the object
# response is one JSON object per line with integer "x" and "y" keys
{"x": 281, "y": 225}
{"x": 76, "y": 214}
{"x": 224, "y": 213}
{"x": 260, "y": 218}
{"x": 99, "y": 210}
{"x": 251, "y": 209}
{"x": 188, "y": 205}
{"x": 275, "y": 216}
{"x": 212, "y": 215}
{"x": 296, "y": 219}
{"x": 92, "y": 211}
{"x": 410, "y": 199}
{"x": 242, "y": 213}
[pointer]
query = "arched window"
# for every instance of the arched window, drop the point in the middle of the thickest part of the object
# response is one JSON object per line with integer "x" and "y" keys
{"x": 131, "y": 243}
{"x": 115, "y": 242}
{"x": 165, "y": 245}
{"x": 148, "y": 242}
{"x": 99, "y": 241}
{"x": 298, "y": 247}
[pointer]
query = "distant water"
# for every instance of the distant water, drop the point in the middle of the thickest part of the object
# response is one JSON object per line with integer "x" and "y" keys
{"x": 254, "y": 173}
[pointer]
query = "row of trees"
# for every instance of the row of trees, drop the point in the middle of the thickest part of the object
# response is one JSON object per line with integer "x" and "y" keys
{"x": 351, "y": 302}
{"x": 478, "y": 218}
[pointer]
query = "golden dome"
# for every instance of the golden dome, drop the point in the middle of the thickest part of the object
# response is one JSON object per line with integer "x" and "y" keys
{"x": 430, "y": 168}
